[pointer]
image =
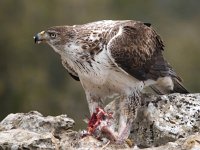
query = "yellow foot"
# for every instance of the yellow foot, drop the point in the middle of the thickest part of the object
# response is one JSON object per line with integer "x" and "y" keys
{"x": 130, "y": 142}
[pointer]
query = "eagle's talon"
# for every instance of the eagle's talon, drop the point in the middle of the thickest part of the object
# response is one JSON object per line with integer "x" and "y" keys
{"x": 130, "y": 142}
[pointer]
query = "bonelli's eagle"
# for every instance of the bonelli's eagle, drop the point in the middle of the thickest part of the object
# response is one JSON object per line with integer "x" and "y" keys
{"x": 114, "y": 58}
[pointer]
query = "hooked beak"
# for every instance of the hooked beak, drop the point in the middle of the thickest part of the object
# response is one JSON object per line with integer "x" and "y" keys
{"x": 40, "y": 37}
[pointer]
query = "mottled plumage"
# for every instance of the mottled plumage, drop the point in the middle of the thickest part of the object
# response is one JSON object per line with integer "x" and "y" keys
{"x": 114, "y": 58}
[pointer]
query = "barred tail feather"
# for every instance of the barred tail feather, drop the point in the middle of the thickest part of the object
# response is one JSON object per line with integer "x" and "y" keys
{"x": 178, "y": 87}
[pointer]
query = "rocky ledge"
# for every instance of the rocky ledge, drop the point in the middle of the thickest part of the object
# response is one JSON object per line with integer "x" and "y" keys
{"x": 170, "y": 122}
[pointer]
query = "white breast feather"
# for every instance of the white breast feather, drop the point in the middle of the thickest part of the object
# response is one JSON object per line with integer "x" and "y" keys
{"x": 101, "y": 77}
{"x": 106, "y": 81}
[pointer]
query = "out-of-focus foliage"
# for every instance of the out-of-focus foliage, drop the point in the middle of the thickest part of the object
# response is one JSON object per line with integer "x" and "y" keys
{"x": 32, "y": 77}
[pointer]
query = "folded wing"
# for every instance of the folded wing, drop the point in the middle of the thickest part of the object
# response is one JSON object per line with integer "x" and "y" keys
{"x": 137, "y": 49}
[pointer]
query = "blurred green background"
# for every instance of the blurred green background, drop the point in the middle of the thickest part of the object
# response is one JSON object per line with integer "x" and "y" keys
{"x": 32, "y": 77}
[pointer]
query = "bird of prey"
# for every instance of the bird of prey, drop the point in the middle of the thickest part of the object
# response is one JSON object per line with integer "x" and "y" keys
{"x": 111, "y": 57}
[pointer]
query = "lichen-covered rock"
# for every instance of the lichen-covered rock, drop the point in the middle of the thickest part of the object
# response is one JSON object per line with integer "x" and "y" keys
{"x": 165, "y": 118}
{"x": 170, "y": 122}
{"x": 34, "y": 131}
{"x": 192, "y": 142}
{"x": 22, "y": 139}
{"x": 36, "y": 122}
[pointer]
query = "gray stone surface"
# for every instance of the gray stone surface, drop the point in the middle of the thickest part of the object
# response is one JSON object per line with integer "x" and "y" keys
{"x": 34, "y": 131}
{"x": 167, "y": 118}
{"x": 163, "y": 119}
{"x": 170, "y": 122}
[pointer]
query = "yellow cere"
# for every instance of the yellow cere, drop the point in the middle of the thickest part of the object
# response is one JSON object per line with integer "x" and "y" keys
{"x": 41, "y": 33}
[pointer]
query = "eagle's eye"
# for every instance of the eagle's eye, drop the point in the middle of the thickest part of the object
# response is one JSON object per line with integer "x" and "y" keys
{"x": 53, "y": 35}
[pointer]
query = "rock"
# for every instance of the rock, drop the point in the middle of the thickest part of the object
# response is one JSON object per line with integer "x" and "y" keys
{"x": 33, "y": 131}
{"x": 192, "y": 142}
{"x": 170, "y": 122}
{"x": 163, "y": 119}
{"x": 22, "y": 139}
{"x": 36, "y": 122}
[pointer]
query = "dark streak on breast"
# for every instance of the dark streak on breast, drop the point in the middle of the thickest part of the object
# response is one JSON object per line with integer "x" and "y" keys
{"x": 90, "y": 63}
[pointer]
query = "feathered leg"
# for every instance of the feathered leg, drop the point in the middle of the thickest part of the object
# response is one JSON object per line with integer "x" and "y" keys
{"x": 94, "y": 102}
{"x": 128, "y": 111}
{"x": 128, "y": 107}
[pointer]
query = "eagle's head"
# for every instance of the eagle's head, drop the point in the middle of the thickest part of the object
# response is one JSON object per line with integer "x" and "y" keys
{"x": 57, "y": 37}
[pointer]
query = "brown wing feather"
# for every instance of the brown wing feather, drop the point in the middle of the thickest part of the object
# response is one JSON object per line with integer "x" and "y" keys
{"x": 138, "y": 51}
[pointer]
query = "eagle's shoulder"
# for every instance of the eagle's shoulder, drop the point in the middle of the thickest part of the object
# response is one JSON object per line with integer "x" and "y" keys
{"x": 135, "y": 47}
{"x": 91, "y": 37}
